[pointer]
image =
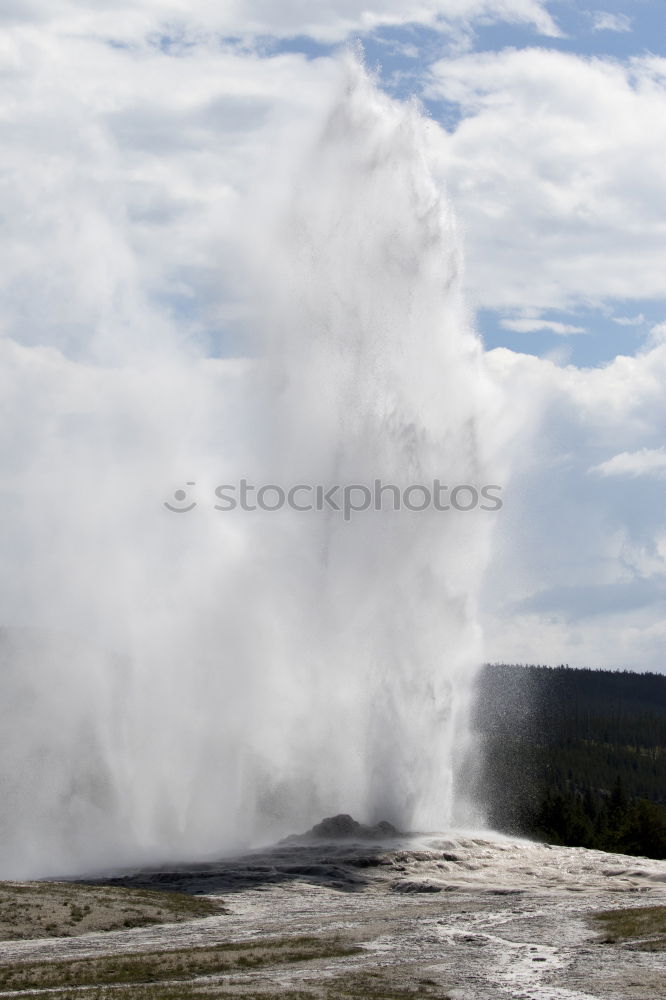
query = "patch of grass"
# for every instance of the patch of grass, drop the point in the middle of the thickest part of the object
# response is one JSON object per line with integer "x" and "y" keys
{"x": 185, "y": 991}
{"x": 643, "y": 928}
{"x": 182, "y": 991}
{"x": 63, "y": 909}
{"x": 378, "y": 984}
{"x": 383, "y": 984}
{"x": 182, "y": 963}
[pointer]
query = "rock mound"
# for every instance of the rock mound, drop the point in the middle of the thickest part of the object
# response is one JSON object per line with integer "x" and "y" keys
{"x": 344, "y": 827}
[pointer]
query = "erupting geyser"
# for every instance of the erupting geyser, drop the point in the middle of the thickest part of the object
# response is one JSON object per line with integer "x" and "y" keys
{"x": 244, "y": 673}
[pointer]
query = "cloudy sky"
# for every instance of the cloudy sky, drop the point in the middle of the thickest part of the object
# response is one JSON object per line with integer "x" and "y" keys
{"x": 133, "y": 135}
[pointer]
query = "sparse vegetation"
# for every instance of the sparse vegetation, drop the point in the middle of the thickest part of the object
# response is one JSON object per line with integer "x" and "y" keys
{"x": 642, "y": 928}
{"x": 167, "y": 966}
{"x": 67, "y": 909}
{"x": 383, "y": 984}
{"x": 206, "y": 991}
{"x": 398, "y": 983}
{"x": 176, "y": 973}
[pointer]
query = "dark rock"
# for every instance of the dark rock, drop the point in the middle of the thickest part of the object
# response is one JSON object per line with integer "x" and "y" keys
{"x": 410, "y": 886}
{"x": 344, "y": 827}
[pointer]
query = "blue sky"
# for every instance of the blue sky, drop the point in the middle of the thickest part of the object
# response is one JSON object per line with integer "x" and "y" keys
{"x": 617, "y": 30}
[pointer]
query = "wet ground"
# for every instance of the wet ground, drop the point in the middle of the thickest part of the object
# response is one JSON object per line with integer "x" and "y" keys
{"x": 477, "y": 918}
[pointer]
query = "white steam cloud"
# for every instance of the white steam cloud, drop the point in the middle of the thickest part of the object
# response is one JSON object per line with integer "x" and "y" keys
{"x": 199, "y": 681}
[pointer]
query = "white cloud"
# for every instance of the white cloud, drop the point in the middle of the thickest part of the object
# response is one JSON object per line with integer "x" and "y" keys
{"x": 535, "y": 324}
{"x": 327, "y": 21}
{"x": 603, "y": 21}
{"x": 629, "y": 641}
{"x": 645, "y": 462}
{"x": 629, "y": 320}
{"x": 657, "y": 334}
{"x": 580, "y": 574}
{"x": 646, "y": 560}
{"x": 129, "y": 168}
{"x": 556, "y": 172}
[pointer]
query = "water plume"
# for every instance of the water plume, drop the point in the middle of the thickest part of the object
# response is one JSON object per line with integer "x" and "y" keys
{"x": 241, "y": 674}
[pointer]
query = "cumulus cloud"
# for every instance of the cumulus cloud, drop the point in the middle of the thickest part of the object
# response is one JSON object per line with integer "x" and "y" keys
{"x": 645, "y": 462}
{"x": 556, "y": 171}
{"x": 330, "y": 21}
{"x": 124, "y": 174}
{"x": 580, "y": 573}
{"x": 657, "y": 334}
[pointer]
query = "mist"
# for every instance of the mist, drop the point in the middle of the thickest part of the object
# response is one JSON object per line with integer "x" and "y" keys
{"x": 179, "y": 684}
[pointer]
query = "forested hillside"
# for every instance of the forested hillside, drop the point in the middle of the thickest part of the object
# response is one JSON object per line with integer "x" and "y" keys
{"x": 575, "y": 757}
